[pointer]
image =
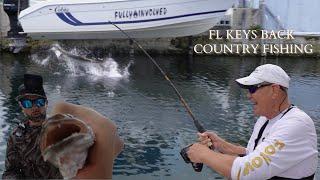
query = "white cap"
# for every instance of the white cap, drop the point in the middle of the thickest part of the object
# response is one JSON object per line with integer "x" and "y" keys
{"x": 266, "y": 73}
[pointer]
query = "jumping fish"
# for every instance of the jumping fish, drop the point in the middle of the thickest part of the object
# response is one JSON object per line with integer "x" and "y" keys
{"x": 64, "y": 142}
{"x": 75, "y": 56}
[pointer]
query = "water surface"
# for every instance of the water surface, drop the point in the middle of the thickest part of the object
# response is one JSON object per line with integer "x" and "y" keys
{"x": 151, "y": 120}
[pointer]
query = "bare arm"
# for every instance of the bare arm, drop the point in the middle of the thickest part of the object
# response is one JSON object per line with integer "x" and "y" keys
{"x": 220, "y": 144}
{"x": 101, "y": 155}
{"x": 232, "y": 149}
{"x": 221, "y": 163}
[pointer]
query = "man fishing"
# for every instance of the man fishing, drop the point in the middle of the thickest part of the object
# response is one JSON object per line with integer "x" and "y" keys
{"x": 23, "y": 159}
{"x": 283, "y": 144}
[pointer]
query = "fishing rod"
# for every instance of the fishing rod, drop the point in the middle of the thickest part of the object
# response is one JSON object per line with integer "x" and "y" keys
{"x": 197, "y": 124}
{"x": 196, "y": 166}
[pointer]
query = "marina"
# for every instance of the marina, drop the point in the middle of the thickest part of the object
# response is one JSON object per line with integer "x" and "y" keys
{"x": 130, "y": 59}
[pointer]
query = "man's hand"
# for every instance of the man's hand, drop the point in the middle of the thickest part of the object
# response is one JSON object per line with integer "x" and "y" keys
{"x": 208, "y": 138}
{"x": 220, "y": 144}
{"x": 197, "y": 152}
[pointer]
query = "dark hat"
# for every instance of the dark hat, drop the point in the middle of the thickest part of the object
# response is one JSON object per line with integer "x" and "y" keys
{"x": 33, "y": 85}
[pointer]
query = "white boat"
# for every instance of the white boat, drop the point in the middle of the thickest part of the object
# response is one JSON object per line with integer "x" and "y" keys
{"x": 91, "y": 19}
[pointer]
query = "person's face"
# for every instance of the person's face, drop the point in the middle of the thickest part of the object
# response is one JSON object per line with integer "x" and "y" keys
{"x": 37, "y": 111}
{"x": 263, "y": 99}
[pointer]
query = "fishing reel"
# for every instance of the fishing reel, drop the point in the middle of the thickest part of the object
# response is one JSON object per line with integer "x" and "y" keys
{"x": 196, "y": 166}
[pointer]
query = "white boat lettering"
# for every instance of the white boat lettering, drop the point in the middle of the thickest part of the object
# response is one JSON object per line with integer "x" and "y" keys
{"x": 137, "y": 13}
{"x": 61, "y": 9}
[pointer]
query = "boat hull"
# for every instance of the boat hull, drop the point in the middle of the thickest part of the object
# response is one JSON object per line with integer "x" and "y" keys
{"x": 140, "y": 18}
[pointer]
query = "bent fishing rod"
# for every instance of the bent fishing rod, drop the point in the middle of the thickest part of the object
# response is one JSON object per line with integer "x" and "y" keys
{"x": 198, "y": 125}
{"x": 196, "y": 166}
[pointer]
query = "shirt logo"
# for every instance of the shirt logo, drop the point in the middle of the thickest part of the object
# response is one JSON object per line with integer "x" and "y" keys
{"x": 264, "y": 157}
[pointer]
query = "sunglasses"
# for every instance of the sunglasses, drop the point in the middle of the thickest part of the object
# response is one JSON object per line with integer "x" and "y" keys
{"x": 252, "y": 89}
{"x": 28, "y": 103}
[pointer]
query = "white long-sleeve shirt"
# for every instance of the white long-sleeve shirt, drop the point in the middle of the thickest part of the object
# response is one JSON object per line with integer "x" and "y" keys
{"x": 287, "y": 148}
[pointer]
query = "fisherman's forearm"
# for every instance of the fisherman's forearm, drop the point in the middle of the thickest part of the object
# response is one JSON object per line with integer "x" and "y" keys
{"x": 60, "y": 108}
{"x": 78, "y": 111}
{"x": 221, "y": 163}
{"x": 232, "y": 149}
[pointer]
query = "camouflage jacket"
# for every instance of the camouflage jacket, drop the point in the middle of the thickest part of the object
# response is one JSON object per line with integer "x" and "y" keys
{"x": 23, "y": 159}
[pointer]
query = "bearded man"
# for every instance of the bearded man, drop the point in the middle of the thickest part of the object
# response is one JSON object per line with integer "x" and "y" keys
{"x": 23, "y": 158}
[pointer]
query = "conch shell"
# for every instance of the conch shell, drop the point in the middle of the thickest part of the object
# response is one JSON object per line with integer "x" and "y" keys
{"x": 64, "y": 142}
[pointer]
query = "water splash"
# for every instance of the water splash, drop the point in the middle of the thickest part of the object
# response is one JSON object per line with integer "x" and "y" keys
{"x": 76, "y": 62}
